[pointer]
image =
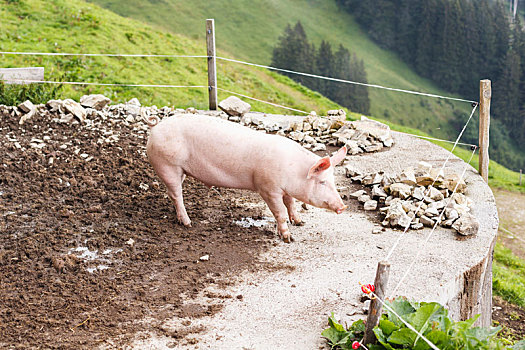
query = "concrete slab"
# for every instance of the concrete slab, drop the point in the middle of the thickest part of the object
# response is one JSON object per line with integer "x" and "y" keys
{"x": 332, "y": 253}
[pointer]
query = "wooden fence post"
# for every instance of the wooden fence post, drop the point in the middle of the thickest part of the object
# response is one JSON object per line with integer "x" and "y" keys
{"x": 212, "y": 72}
{"x": 520, "y": 176}
{"x": 485, "y": 94}
{"x": 374, "y": 312}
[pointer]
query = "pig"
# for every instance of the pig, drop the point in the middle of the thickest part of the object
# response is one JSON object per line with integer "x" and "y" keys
{"x": 221, "y": 153}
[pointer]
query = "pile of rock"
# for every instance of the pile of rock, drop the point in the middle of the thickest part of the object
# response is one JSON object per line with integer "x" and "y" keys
{"x": 417, "y": 198}
{"x": 313, "y": 132}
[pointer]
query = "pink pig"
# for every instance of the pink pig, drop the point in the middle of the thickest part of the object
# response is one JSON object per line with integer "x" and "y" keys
{"x": 225, "y": 154}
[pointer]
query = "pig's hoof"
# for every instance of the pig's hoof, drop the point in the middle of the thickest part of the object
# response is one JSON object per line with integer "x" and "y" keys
{"x": 287, "y": 237}
{"x": 185, "y": 223}
{"x": 298, "y": 222}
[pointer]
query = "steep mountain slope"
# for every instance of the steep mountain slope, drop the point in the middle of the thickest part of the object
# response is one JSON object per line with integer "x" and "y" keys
{"x": 80, "y": 27}
{"x": 250, "y": 28}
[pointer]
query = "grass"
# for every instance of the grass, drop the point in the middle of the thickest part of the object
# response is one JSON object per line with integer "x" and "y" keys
{"x": 80, "y": 27}
{"x": 508, "y": 276}
{"x": 250, "y": 35}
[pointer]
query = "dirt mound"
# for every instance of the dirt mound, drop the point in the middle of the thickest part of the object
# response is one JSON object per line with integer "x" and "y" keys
{"x": 88, "y": 240}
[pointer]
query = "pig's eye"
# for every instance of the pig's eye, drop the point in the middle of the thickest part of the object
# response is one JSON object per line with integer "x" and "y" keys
{"x": 322, "y": 182}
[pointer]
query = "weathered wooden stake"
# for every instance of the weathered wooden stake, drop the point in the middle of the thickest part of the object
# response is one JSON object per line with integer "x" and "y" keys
{"x": 485, "y": 94}
{"x": 374, "y": 312}
{"x": 212, "y": 72}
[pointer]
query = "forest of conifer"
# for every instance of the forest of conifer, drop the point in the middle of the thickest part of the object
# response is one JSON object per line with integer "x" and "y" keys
{"x": 294, "y": 52}
{"x": 456, "y": 43}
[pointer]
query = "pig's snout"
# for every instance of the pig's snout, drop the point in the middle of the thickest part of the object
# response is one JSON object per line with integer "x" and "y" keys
{"x": 341, "y": 209}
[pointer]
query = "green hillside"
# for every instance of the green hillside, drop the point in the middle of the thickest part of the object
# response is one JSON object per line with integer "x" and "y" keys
{"x": 80, "y": 27}
{"x": 249, "y": 29}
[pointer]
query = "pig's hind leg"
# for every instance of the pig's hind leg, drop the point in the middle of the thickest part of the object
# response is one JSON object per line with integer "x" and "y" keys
{"x": 278, "y": 209}
{"x": 174, "y": 185}
{"x": 289, "y": 202}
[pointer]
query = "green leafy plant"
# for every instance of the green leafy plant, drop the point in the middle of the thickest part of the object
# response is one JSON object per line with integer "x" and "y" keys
{"x": 429, "y": 319}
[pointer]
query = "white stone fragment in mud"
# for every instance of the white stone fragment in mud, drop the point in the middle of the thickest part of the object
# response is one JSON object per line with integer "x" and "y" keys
{"x": 26, "y": 106}
{"x": 204, "y": 258}
{"x": 297, "y": 136}
{"x": 364, "y": 198}
{"x": 319, "y": 147}
{"x": 350, "y": 171}
{"x": 466, "y": 225}
{"x": 357, "y": 194}
{"x": 370, "y": 205}
{"x": 309, "y": 139}
{"x": 416, "y": 226}
{"x": 95, "y": 101}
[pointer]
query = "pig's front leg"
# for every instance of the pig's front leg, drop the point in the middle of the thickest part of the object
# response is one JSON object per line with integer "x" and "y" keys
{"x": 278, "y": 209}
{"x": 289, "y": 202}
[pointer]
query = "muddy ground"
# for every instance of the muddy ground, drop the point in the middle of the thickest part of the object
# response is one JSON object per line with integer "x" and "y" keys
{"x": 88, "y": 240}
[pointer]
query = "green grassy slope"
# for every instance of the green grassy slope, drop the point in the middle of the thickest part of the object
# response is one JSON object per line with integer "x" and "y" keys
{"x": 80, "y": 27}
{"x": 250, "y": 28}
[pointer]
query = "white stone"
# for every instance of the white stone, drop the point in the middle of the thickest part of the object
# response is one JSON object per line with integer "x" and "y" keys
{"x": 95, "y": 101}
{"x": 234, "y": 106}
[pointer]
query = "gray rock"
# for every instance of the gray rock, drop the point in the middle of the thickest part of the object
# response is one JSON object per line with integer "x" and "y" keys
{"x": 319, "y": 147}
{"x": 96, "y": 101}
{"x": 378, "y": 192}
{"x": 407, "y": 177}
{"x": 370, "y": 205}
{"x": 374, "y": 147}
{"x": 134, "y": 102}
{"x": 234, "y": 106}
{"x": 434, "y": 194}
{"x": 397, "y": 216}
{"x": 400, "y": 190}
{"x": 74, "y": 108}
{"x": 426, "y": 221}
{"x": 418, "y": 193}
{"x": 416, "y": 226}
{"x": 466, "y": 225}
{"x": 451, "y": 213}
{"x": 349, "y": 171}
{"x": 364, "y": 198}
{"x": 357, "y": 194}
{"x": 431, "y": 212}
{"x": 26, "y": 106}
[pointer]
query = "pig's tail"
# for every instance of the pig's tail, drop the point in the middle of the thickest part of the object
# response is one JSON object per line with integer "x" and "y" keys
{"x": 151, "y": 120}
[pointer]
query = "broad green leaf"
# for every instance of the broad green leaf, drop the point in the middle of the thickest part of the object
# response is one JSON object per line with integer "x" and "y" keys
{"x": 402, "y": 308}
{"x": 387, "y": 327}
{"x": 358, "y": 327}
{"x": 332, "y": 322}
{"x": 381, "y": 338}
{"x": 436, "y": 337}
{"x": 334, "y": 336}
{"x": 403, "y": 336}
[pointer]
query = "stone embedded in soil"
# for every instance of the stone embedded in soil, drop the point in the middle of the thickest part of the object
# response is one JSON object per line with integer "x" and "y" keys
{"x": 378, "y": 192}
{"x": 357, "y": 194}
{"x": 26, "y": 106}
{"x": 370, "y": 205}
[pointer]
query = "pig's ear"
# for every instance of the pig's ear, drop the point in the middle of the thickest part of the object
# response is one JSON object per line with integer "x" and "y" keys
{"x": 320, "y": 166}
{"x": 338, "y": 156}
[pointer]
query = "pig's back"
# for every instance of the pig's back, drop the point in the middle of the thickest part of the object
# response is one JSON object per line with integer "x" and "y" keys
{"x": 225, "y": 154}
